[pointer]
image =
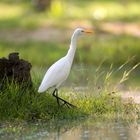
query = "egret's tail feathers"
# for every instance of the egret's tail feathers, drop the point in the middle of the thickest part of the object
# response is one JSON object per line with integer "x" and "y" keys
{"x": 40, "y": 90}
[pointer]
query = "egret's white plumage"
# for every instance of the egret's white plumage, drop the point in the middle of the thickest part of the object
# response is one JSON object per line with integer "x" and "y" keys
{"x": 60, "y": 70}
{"x": 55, "y": 77}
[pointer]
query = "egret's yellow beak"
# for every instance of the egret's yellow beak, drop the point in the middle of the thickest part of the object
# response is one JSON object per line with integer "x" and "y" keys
{"x": 89, "y": 31}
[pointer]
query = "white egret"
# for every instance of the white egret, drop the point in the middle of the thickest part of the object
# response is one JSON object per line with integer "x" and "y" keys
{"x": 60, "y": 70}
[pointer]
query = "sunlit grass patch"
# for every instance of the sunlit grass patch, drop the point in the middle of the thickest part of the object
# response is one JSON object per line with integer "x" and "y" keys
{"x": 17, "y": 15}
{"x": 10, "y": 11}
{"x": 114, "y": 10}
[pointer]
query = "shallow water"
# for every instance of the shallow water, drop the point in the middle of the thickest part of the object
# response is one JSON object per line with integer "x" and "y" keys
{"x": 73, "y": 130}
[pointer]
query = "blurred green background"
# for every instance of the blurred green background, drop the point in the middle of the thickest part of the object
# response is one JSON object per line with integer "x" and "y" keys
{"x": 40, "y": 30}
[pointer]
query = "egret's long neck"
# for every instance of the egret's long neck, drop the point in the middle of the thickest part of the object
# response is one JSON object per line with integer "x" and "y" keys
{"x": 72, "y": 49}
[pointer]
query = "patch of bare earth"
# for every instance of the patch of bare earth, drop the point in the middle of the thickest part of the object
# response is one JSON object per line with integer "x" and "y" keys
{"x": 40, "y": 34}
{"x": 119, "y": 28}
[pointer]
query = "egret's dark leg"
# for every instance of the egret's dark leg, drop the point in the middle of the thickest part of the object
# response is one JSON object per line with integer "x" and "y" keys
{"x": 58, "y": 98}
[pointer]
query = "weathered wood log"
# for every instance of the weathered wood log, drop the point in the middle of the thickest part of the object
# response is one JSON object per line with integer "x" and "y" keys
{"x": 15, "y": 70}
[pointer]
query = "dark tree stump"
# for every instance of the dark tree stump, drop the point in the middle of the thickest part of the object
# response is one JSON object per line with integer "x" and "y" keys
{"x": 15, "y": 70}
{"x": 41, "y": 5}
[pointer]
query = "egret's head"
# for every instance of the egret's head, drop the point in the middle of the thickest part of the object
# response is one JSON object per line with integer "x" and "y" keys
{"x": 81, "y": 31}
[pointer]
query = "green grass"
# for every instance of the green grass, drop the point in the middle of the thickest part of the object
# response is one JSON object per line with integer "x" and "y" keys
{"x": 23, "y": 15}
{"x": 15, "y": 105}
{"x": 92, "y": 51}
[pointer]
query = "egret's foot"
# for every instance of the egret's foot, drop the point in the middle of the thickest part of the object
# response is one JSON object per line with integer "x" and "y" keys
{"x": 55, "y": 94}
{"x": 64, "y": 103}
{"x": 68, "y": 104}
